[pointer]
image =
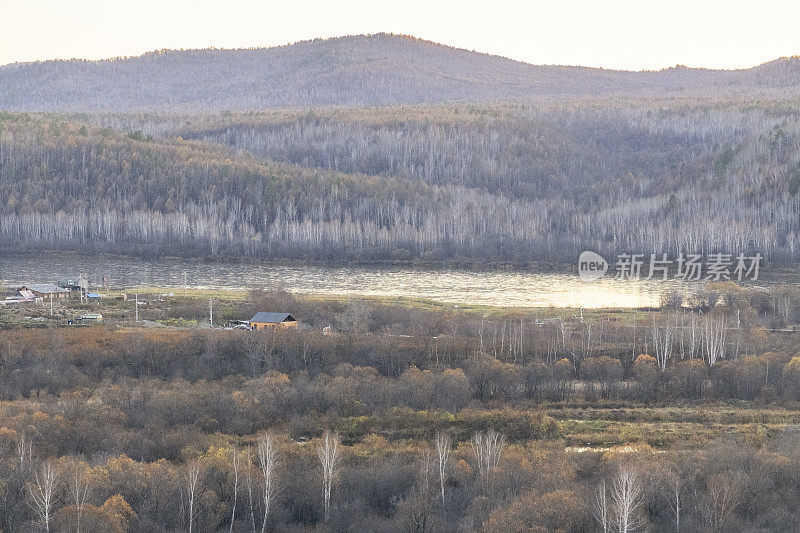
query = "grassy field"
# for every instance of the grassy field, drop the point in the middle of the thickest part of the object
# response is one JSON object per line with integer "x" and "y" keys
{"x": 664, "y": 428}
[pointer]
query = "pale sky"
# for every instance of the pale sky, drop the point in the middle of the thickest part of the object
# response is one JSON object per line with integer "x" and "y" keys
{"x": 636, "y": 35}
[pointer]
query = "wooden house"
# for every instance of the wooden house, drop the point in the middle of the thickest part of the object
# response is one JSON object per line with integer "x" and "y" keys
{"x": 263, "y": 320}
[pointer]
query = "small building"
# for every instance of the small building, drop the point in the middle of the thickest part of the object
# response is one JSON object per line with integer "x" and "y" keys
{"x": 71, "y": 284}
{"x": 263, "y": 320}
{"x": 45, "y": 290}
{"x": 14, "y": 300}
{"x": 237, "y": 324}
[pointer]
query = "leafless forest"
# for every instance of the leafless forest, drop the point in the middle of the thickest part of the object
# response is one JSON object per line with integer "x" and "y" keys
{"x": 504, "y": 183}
{"x": 406, "y": 419}
{"x": 398, "y": 415}
{"x": 233, "y": 153}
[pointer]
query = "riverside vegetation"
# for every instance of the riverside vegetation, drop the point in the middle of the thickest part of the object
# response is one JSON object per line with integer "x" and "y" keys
{"x": 408, "y": 416}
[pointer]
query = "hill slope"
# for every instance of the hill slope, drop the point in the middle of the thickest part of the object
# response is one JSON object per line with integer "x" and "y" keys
{"x": 358, "y": 70}
{"x": 479, "y": 184}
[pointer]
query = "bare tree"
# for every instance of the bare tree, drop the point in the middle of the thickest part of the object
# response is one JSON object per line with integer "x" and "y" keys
{"x": 24, "y": 451}
{"x": 425, "y": 472}
{"x": 267, "y": 458}
{"x": 620, "y": 512}
{"x": 417, "y": 504}
{"x": 480, "y": 334}
{"x": 248, "y": 463}
{"x": 693, "y": 338}
{"x": 328, "y": 453}
{"x": 80, "y": 492}
{"x": 601, "y": 511}
{"x": 254, "y": 353}
{"x": 722, "y": 496}
{"x": 626, "y": 500}
{"x": 487, "y": 449}
{"x": 714, "y": 333}
{"x": 443, "y": 453}
{"x": 235, "y": 486}
{"x": 192, "y": 482}
{"x": 42, "y": 490}
{"x": 676, "y": 503}
{"x": 662, "y": 343}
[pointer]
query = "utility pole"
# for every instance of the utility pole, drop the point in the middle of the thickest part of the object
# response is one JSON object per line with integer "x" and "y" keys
{"x": 210, "y": 312}
{"x": 83, "y": 284}
{"x": 137, "y": 308}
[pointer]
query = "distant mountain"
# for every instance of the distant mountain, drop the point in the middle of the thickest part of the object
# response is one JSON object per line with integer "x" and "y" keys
{"x": 358, "y": 70}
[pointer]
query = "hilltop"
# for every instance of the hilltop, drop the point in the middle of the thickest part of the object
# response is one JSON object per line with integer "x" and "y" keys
{"x": 363, "y": 70}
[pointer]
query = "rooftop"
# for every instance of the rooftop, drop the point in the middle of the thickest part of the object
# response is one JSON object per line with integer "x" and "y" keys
{"x": 46, "y": 288}
{"x": 272, "y": 318}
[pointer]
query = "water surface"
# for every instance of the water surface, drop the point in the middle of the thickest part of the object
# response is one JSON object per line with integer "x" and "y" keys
{"x": 498, "y": 288}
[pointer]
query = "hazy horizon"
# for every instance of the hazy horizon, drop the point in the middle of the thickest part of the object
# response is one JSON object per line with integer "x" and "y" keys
{"x": 621, "y": 35}
{"x": 154, "y": 50}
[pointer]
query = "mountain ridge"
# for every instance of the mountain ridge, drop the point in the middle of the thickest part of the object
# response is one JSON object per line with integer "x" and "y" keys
{"x": 361, "y": 70}
{"x": 163, "y": 51}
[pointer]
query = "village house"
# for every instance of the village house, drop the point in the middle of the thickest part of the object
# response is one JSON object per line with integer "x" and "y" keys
{"x": 45, "y": 290}
{"x": 263, "y": 320}
{"x": 16, "y": 297}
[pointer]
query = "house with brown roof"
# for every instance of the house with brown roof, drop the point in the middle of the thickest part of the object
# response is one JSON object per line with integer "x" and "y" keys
{"x": 263, "y": 320}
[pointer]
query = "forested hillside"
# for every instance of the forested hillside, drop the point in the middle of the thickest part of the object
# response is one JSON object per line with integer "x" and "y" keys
{"x": 505, "y": 183}
{"x": 67, "y": 186}
{"x": 355, "y": 70}
{"x": 686, "y": 160}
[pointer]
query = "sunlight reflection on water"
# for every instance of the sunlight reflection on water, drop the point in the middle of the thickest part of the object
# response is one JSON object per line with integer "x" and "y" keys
{"x": 498, "y": 288}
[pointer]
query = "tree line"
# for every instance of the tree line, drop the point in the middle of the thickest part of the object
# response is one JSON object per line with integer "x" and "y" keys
{"x": 403, "y": 419}
{"x": 474, "y": 185}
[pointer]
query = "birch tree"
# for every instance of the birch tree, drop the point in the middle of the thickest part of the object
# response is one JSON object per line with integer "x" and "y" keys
{"x": 601, "y": 512}
{"x": 24, "y": 451}
{"x": 676, "y": 503}
{"x": 248, "y": 463}
{"x": 328, "y": 453}
{"x": 192, "y": 483}
{"x": 79, "y": 492}
{"x": 443, "y": 454}
{"x": 626, "y": 500}
{"x": 267, "y": 458}
{"x": 487, "y": 448}
{"x": 621, "y": 511}
{"x": 235, "y": 465}
{"x": 714, "y": 335}
{"x": 721, "y": 497}
{"x": 42, "y": 491}
{"x": 662, "y": 343}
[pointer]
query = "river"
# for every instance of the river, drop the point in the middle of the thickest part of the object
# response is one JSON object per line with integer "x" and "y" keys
{"x": 496, "y": 288}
